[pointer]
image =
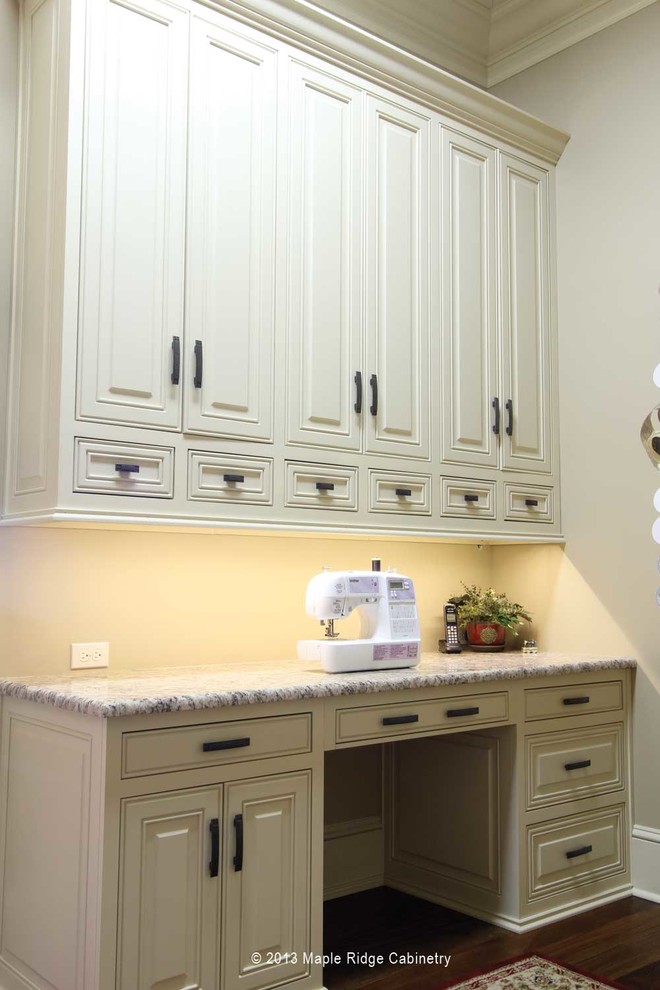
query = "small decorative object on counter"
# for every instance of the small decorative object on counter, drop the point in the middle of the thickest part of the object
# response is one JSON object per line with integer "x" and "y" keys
{"x": 486, "y": 615}
{"x": 529, "y": 647}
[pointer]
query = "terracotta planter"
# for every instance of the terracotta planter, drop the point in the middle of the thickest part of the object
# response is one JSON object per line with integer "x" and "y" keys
{"x": 485, "y": 633}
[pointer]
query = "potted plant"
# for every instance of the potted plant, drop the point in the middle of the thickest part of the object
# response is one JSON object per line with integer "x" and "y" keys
{"x": 486, "y": 615}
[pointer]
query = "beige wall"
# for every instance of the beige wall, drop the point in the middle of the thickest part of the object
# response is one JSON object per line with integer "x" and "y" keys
{"x": 187, "y": 598}
{"x": 600, "y": 594}
{"x": 8, "y": 98}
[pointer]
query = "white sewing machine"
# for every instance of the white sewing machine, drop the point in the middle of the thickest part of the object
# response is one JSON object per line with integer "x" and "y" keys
{"x": 389, "y": 634}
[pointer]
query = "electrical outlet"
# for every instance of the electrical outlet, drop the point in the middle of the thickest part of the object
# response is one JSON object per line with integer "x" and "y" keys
{"x": 86, "y": 655}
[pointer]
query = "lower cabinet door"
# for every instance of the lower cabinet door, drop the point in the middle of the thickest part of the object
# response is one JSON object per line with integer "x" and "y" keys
{"x": 169, "y": 902}
{"x": 266, "y": 902}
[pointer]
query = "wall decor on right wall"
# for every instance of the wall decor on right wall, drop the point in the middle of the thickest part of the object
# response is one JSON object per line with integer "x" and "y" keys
{"x": 650, "y": 437}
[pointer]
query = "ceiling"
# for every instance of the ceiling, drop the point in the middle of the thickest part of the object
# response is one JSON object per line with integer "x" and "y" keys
{"x": 485, "y": 41}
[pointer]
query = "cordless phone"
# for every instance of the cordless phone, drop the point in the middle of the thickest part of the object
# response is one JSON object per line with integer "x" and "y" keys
{"x": 451, "y": 629}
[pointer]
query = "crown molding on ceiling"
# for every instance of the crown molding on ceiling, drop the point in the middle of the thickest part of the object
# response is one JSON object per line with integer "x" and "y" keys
{"x": 524, "y": 32}
{"x": 483, "y": 41}
{"x": 452, "y": 34}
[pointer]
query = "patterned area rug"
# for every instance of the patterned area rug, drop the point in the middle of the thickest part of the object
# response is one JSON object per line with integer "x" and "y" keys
{"x": 531, "y": 973}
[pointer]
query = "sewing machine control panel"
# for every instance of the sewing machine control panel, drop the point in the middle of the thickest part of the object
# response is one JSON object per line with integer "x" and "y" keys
{"x": 403, "y": 610}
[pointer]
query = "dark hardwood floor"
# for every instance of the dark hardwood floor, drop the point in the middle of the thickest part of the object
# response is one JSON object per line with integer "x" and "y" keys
{"x": 619, "y": 942}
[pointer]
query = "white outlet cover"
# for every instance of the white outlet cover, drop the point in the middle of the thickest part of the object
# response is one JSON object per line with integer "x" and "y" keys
{"x": 87, "y": 656}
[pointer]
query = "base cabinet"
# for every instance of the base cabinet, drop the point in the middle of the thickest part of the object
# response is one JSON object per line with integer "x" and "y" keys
{"x": 266, "y": 882}
{"x": 169, "y": 902}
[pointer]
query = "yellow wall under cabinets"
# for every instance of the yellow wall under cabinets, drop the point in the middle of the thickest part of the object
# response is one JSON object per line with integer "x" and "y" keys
{"x": 170, "y": 598}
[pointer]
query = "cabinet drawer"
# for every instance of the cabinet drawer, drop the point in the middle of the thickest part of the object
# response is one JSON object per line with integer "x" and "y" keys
{"x": 321, "y": 486}
{"x": 388, "y": 721}
{"x": 563, "y": 766}
{"x": 528, "y": 502}
{"x": 578, "y": 699}
{"x": 470, "y": 499}
{"x": 575, "y": 851}
{"x": 406, "y": 494}
{"x": 192, "y": 746}
{"x": 123, "y": 469}
{"x": 223, "y": 478}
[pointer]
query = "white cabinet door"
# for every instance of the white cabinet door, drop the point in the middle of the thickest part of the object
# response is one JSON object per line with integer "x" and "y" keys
{"x": 324, "y": 260}
{"x": 266, "y": 903}
{"x": 397, "y": 312}
{"x": 169, "y": 902}
{"x": 469, "y": 301}
{"x": 228, "y": 363}
{"x": 132, "y": 248}
{"x": 525, "y": 316}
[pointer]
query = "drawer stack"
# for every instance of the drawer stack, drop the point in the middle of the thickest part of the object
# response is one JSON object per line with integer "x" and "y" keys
{"x": 575, "y": 793}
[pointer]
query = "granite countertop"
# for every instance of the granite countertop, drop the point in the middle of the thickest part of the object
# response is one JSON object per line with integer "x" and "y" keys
{"x": 171, "y": 689}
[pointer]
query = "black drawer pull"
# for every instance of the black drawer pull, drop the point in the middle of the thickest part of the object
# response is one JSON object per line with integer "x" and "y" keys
{"x": 127, "y": 468}
{"x": 496, "y": 421}
{"x": 238, "y": 829}
{"x": 199, "y": 364}
{"x": 325, "y": 486}
{"x": 358, "y": 392}
{"x": 582, "y": 851}
{"x": 400, "y": 719}
{"x": 238, "y": 478}
{"x": 458, "y": 712}
{"x": 176, "y": 360}
{"x": 373, "y": 381}
{"x": 531, "y": 501}
{"x": 578, "y": 765}
{"x": 576, "y": 701}
{"x": 214, "y": 828}
{"x": 403, "y": 492}
{"x": 509, "y": 424}
{"x": 471, "y": 498}
{"x": 211, "y": 747}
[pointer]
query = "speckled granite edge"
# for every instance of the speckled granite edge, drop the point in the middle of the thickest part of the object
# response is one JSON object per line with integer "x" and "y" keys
{"x": 189, "y": 689}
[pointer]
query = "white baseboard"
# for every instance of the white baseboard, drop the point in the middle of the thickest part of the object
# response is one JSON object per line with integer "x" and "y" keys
{"x": 645, "y": 854}
{"x": 513, "y": 924}
{"x": 353, "y": 857}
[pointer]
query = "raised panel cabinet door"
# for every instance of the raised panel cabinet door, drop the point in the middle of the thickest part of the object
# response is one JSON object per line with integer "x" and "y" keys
{"x": 231, "y": 219}
{"x": 469, "y": 301}
{"x": 324, "y": 353}
{"x": 525, "y": 273}
{"x": 133, "y": 236}
{"x": 397, "y": 311}
{"x": 266, "y": 864}
{"x": 168, "y": 900}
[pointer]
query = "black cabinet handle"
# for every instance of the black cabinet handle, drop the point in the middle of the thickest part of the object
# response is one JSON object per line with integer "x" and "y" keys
{"x": 576, "y": 701}
{"x": 582, "y": 851}
{"x": 199, "y": 364}
{"x": 238, "y": 478}
{"x": 238, "y": 829}
{"x": 509, "y": 423}
{"x": 325, "y": 486}
{"x": 358, "y": 392}
{"x": 403, "y": 492}
{"x": 531, "y": 501}
{"x": 400, "y": 719}
{"x": 373, "y": 381}
{"x": 459, "y": 712}
{"x": 127, "y": 468}
{"x": 471, "y": 498}
{"x": 211, "y": 747}
{"x": 176, "y": 360}
{"x": 496, "y": 420}
{"x": 578, "y": 765}
{"x": 214, "y": 828}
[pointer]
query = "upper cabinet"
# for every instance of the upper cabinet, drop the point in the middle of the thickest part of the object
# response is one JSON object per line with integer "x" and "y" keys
{"x": 133, "y": 213}
{"x": 255, "y": 286}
